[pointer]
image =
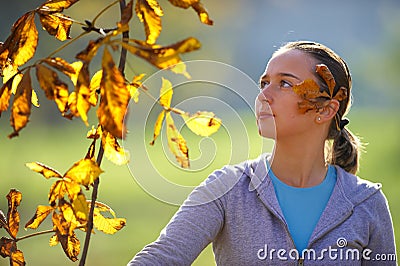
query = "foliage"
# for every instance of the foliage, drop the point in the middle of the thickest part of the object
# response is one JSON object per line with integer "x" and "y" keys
{"x": 108, "y": 90}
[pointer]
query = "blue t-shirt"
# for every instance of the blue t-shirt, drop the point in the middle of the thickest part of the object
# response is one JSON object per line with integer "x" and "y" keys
{"x": 302, "y": 207}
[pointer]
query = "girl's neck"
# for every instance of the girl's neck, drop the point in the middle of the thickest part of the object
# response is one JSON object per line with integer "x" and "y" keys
{"x": 299, "y": 165}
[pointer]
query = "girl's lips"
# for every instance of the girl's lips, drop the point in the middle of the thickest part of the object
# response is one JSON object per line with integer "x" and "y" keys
{"x": 264, "y": 115}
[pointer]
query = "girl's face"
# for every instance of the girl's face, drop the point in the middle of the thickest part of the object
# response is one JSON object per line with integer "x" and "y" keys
{"x": 277, "y": 111}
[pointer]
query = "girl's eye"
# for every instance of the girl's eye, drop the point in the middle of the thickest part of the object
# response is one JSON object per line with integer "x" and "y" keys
{"x": 263, "y": 83}
{"x": 285, "y": 84}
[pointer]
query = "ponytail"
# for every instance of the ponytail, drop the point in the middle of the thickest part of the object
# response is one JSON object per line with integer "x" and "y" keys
{"x": 346, "y": 151}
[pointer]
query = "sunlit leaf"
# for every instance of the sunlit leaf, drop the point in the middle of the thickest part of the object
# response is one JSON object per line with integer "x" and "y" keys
{"x": 21, "y": 45}
{"x": 114, "y": 97}
{"x": 77, "y": 66}
{"x": 17, "y": 258}
{"x": 43, "y": 169}
{"x": 56, "y": 24}
{"x": 40, "y": 215}
{"x": 84, "y": 172}
{"x": 54, "y": 88}
{"x": 5, "y": 95}
{"x": 70, "y": 244}
{"x": 53, "y": 240}
{"x": 94, "y": 133}
{"x": 14, "y": 198}
{"x": 176, "y": 143}
{"x": 94, "y": 87}
{"x": 70, "y": 215}
{"x": 180, "y": 69}
{"x": 9, "y": 71}
{"x": 105, "y": 224}
{"x": 80, "y": 207}
{"x": 83, "y": 94}
{"x": 202, "y": 123}
{"x": 163, "y": 57}
{"x": 166, "y": 93}
{"x": 158, "y": 126}
{"x": 134, "y": 86}
{"x": 6, "y": 247}
{"x": 21, "y": 107}
{"x": 197, "y": 6}
{"x": 61, "y": 188}
{"x": 63, "y": 66}
{"x": 113, "y": 151}
{"x": 35, "y": 99}
{"x": 57, "y": 5}
{"x": 149, "y": 12}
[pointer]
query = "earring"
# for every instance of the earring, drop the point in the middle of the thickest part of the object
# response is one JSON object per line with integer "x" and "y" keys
{"x": 319, "y": 118}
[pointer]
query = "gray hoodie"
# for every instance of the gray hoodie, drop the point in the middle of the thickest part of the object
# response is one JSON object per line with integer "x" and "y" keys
{"x": 236, "y": 209}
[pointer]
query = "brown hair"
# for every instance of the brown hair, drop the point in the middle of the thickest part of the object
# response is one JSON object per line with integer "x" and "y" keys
{"x": 346, "y": 146}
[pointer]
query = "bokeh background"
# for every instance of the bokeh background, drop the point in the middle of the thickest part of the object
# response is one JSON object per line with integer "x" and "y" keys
{"x": 245, "y": 33}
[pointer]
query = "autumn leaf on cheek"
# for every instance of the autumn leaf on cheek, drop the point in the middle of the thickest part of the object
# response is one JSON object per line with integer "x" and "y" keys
{"x": 309, "y": 92}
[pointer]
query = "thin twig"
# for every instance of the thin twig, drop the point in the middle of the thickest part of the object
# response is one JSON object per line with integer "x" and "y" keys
{"x": 99, "y": 160}
{"x": 35, "y": 234}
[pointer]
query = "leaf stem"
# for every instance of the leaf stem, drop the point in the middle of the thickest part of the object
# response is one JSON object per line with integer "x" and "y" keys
{"x": 35, "y": 234}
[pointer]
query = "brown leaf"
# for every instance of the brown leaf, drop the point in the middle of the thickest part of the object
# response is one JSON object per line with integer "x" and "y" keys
{"x": 14, "y": 198}
{"x": 176, "y": 143}
{"x": 70, "y": 244}
{"x": 7, "y": 246}
{"x": 312, "y": 97}
{"x": 40, "y": 215}
{"x": 61, "y": 65}
{"x": 341, "y": 94}
{"x": 163, "y": 57}
{"x": 149, "y": 12}
{"x": 114, "y": 98}
{"x": 21, "y": 45}
{"x": 21, "y": 107}
{"x": 54, "y": 88}
{"x": 43, "y": 169}
{"x": 326, "y": 74}
{"x": 17, "y": 258}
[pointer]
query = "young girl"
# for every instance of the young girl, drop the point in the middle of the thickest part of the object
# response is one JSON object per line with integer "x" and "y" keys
{"x": 302, "y": 204}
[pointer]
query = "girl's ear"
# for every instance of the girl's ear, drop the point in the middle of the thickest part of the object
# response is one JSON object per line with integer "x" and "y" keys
{"x": 328, "y": 112}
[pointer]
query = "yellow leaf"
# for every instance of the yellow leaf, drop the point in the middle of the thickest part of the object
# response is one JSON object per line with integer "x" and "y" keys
{"x": 70, "y": 216}
{"x": 57, "y": 5}
{"x": 149, "y": 12}
{"x": 77, "y": 66}
{"x": 202, "y": 123}
{"x": 80, "y": 207}
{"x": 43, "y": 169}
{"x": 163, "y": 57}
{"x": 112, "y": 150}
{"x": 17, "y": 258}
{"x": 14, "y": 198}
{"x": 106, "y": 225}
{"x": 54, "y": 88}
{"x": 180, "y": 69}
{"x": 133, "y": 92}
{"x": 83, "y": 172}
{"x": 53, "y": 240}
{"x": 61, "y": 188}
{"x": 166, "y": 93}
{"x": 40, "y": 215}
{"x": 94, "y": 86}
{"x": 176, "y": 143}
{"x": 114, "y": 98}
{"x": 94, "y": 133}
{"x": 83, "y": 93}
{"x": 35, "y": 99}
{"x": 158, "y": 126}
{"x": 21, "y": 45}
{"x": 70, "y": 244}
{"x": 21, "y": 107}
{"x": 9, "y": 71}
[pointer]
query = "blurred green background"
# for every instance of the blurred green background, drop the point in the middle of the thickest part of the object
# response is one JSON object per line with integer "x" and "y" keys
{"x": 365, "y": 33}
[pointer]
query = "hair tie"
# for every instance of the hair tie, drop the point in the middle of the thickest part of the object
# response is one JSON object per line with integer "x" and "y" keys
{"x": 343, "y": 122}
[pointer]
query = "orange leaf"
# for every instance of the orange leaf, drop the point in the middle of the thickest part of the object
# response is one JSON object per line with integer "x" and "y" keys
{"x": 40, "y": 215}
{"x": 14, "y": 198}
{"x": 83, "y": 172}
{"x": 43, "y": 169}
{"x": 54, "y": 88}
{"x": 163, "y": 57}
{"x": 21, "y": 107}
{"x": 56, "y": 24}
{"x": 149, "y": 12}
{"x": 326, "y": 74}
{"x": 114, "y": 97}
{"x": 158, "y": 126}
{"x": 176, "y": 143}
{"x": 17, "y": 258}
{"x": 7, "y": 246}
{"x": 341, "y": 94}
{"x": 5, "y": 94}
{"x": 197, "y": 6}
